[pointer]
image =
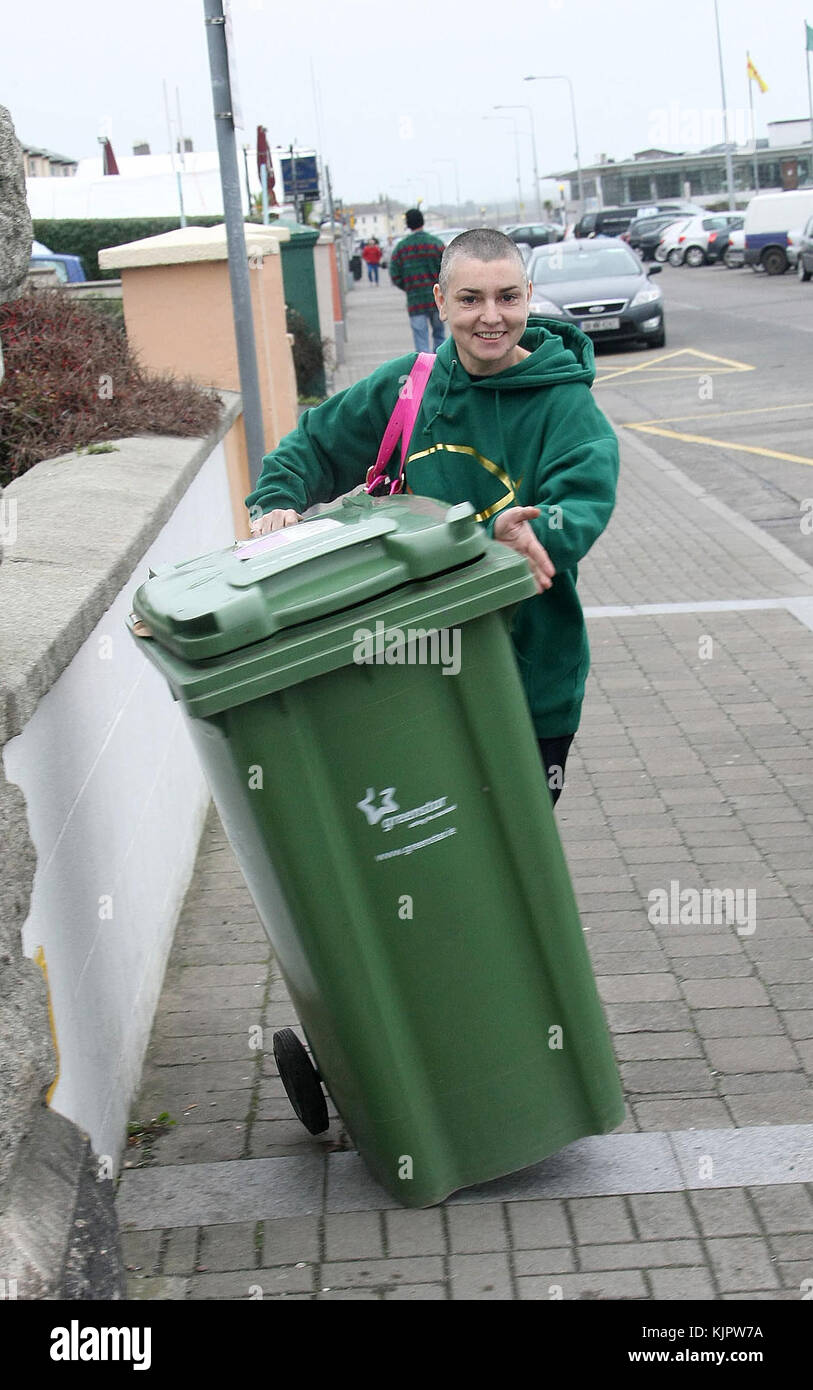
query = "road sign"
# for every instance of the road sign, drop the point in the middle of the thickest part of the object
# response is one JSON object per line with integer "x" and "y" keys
{"x": 300, "y": 176}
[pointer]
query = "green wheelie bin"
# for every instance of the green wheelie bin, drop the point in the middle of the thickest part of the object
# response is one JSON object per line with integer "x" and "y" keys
{"x": 351, "y": 688}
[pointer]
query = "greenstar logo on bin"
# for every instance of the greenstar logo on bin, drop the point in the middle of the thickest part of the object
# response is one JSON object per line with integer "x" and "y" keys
{"x": 411, "y": 646}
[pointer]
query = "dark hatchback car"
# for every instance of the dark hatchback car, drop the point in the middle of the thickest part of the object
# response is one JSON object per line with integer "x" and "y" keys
{"x": 719, "y": 238}
{"x": 643, "y": 235}
{"x": 599, "y": 285}
{"x": 615, "y": 221}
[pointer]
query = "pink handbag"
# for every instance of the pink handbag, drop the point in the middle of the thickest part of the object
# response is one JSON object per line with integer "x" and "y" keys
{"x": 400, "y": 426}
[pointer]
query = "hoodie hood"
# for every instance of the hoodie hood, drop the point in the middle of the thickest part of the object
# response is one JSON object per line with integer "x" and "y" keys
{"x": 559, "y": 352}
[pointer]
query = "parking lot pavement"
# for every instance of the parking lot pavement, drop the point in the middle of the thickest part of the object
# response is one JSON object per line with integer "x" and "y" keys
{"x": 692, "y": 774}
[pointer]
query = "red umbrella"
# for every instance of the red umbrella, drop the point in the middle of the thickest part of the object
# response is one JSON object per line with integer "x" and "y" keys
{"x": 264, "y": 162}
{"x": 109, "y": 165}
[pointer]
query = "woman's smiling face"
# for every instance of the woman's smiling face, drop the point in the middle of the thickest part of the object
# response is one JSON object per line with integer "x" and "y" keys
{"x": 486, "y": 308}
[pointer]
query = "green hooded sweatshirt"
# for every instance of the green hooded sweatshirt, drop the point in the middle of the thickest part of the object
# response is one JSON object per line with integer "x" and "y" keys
{"x": 529, "y": 436}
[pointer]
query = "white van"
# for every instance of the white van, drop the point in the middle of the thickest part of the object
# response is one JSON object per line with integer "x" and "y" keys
{"x": 768, "y": 219}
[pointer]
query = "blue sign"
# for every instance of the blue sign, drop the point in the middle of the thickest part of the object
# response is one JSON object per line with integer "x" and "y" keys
{"x": 307, "y": 176}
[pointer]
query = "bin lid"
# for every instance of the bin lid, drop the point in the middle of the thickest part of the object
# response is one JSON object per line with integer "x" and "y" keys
{"x": 300, "y": 235}
{"x": 347, "y": 555}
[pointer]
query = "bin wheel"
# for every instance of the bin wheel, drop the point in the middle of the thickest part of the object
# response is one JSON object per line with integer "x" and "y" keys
{"x": 301, "y": 1081}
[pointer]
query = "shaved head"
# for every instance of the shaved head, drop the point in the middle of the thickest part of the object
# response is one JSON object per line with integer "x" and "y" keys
{"x": 480, "y": 244}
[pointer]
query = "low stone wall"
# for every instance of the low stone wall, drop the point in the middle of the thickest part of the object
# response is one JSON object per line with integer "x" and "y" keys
{"x": 101, "y": 804}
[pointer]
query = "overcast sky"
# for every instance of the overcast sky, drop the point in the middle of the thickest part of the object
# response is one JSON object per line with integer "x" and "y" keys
{"x": 402, "y": 84}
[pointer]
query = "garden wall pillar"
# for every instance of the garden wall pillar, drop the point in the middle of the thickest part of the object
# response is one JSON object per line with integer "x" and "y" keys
{"x": 178, "y": 313}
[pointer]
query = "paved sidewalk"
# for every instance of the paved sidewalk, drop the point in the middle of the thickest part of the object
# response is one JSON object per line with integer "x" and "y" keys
{"x": 693, "y": 768}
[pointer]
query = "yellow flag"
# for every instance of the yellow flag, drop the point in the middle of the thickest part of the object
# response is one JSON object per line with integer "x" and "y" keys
{"x": 753, "y": 75}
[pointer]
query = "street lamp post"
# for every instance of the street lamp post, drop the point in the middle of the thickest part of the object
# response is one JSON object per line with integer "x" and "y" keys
{"x": 521, "y": 106}
{"x": 446, "y": 160}
{"x": 433, "y": 173}
{"x": 513, "y": 121}
{"x": 729, "y": 164}
{"x": 560, "y": 77}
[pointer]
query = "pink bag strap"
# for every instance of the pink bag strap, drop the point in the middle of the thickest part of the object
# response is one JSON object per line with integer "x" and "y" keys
{"x": 400, "y": 426}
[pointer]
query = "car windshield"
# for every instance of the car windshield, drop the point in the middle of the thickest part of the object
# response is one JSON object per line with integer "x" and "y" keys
{"x": 588, "y": 263}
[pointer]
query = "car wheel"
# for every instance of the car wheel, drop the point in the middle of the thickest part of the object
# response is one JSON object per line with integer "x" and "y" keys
{"x": 731, "y": 259}
{"x": 801, "y": 272}
{"x": 775, "y": 261}
{"x": 675, "y": 256}
{"x": 694, "y": 256}
{"x": 660, "y": 254}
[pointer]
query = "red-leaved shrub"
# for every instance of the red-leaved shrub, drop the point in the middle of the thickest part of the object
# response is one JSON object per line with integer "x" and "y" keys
{"x": 73, "y": 380}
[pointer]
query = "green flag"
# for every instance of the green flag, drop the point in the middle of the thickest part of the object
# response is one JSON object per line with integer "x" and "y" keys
{"x": 809, "y": 32}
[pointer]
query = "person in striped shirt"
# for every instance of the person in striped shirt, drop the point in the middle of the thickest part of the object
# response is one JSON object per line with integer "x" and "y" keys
{"x": 414, "y": 268}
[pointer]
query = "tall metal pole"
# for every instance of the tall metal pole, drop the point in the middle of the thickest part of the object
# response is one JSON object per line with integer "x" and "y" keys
{"x": 753, "y": 123}
{"x": 248, "y": 181}
{"x": 513, "y": 121}
{"x": 729, "y": 163}
{"x": 521, "y": 106}
{"x": 175, "y": 170}
{"x": 447, "y": 160}
{"x": 809, "y": 98}
{"x": 435, "y": 175}
{"x": 561, "y": 77}
{"x": 215, "y": 24}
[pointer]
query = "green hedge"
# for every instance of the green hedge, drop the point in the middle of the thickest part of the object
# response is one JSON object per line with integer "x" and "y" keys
{"x": 87, "y": 237}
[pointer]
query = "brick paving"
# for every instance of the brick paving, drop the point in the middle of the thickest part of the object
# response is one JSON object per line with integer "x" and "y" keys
{"x": 693, "y": 768}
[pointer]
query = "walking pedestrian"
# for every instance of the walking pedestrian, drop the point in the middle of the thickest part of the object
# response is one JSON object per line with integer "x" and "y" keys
{"x": 372, "y": 255}
{"x": 414, "y": 268}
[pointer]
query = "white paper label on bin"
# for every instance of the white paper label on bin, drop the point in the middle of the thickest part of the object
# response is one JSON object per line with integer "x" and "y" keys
{"x": 303, "y": 532}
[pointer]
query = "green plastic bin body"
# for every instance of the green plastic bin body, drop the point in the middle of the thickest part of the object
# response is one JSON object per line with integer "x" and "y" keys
{"x": 395, "y": 830}
{"x": 299, "y": 283}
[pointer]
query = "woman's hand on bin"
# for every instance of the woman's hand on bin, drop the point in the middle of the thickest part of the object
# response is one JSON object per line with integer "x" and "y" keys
{"x": 274, "y": 521}
{"x": 513, "y": 528}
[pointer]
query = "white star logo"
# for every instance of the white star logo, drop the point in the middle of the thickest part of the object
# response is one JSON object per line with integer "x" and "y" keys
{"x": 376, "y": 813}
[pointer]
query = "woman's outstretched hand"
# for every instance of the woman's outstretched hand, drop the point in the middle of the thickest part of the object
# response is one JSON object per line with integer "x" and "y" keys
{"x": 513, "y": 528}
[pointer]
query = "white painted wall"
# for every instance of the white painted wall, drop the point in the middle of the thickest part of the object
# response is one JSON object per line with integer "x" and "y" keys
{"x": 116, "y": 801}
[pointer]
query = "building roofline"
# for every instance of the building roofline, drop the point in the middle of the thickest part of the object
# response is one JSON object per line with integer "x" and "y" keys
{"x": 638, "y": 166}
{"x": 50, "y": 154}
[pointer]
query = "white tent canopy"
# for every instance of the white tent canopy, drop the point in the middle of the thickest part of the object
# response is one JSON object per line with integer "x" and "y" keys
{"x": 146, "y": 186}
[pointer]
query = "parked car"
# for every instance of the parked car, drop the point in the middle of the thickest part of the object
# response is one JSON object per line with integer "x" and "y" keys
{"x": 643, "y": 235}
{"x": 614, "y": 221}
{"x": 599, "y": 285}
{"x": 794, "y": 237}
{"x": 768, "y": 219}
{"x": 691, "y": 247}
{"x": 536, "y": 233}
{"x": 734, "y": 254}
{"x": 719, "y": 240}
{"x": 669, "y": 238}
{"x": 448, "y": 234}
{"x": 69, "y": 269}
{"x": 804, "y": 258}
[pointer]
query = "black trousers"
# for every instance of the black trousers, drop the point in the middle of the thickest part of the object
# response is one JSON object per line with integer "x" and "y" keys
{"x": 554, "y": 753}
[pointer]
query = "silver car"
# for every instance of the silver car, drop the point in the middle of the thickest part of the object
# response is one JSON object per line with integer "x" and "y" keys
{"x": 601, "y": 286}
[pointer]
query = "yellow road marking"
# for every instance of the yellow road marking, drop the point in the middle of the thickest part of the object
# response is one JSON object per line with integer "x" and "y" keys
{"x": 719, "y": 414}
{"x": 727, "y": 364}
{"x": 721, "y": 444}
